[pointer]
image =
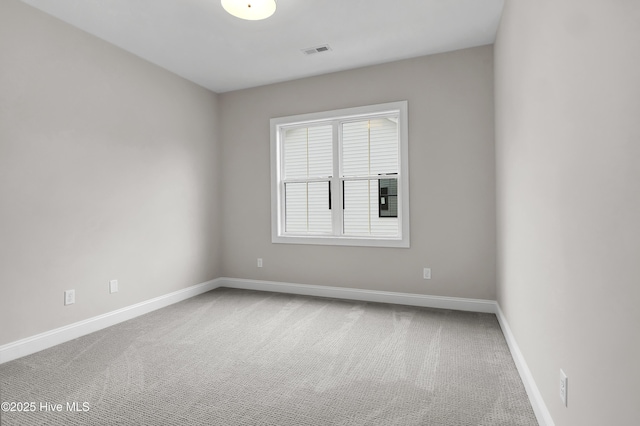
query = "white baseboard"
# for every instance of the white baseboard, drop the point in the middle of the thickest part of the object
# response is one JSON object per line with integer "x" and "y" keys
{"x": 54, "y": 337}
{"x": 459, "y": 304}
{"x": 535, "y": 397}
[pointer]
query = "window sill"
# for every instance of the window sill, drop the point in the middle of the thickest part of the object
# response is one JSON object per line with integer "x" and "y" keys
{"x": 342, "y": 241}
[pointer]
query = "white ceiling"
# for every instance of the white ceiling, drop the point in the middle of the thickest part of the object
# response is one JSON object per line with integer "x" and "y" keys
{"x": 199, "y": 41}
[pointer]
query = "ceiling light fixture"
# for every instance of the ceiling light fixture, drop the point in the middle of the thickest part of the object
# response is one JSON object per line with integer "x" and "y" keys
{"x": 252, "y": 10}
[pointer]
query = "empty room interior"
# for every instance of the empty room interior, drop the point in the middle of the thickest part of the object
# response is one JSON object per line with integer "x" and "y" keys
{"x": 320, "y": 212}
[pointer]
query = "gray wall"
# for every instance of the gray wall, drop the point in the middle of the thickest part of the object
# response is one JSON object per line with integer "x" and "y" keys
{"x": 452, "y": 184}
{"x": 108, "y": 170}
{"x": 568, "y": 152}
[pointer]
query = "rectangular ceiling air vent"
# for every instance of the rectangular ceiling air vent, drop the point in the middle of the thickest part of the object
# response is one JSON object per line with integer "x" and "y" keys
{"x": 317, "y": 49}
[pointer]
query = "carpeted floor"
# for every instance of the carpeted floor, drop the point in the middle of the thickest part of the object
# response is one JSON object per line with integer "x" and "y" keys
{"x": 236, "y": 357}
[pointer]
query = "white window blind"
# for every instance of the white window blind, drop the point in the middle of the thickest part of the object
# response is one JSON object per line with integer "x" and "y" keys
{"x": 369, "y": 153}
{"x": 341, "y": 177}
{"x": 308, "y": 165}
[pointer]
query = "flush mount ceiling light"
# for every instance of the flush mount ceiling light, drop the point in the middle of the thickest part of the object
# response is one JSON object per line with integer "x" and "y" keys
{"x": 252, "y": 10}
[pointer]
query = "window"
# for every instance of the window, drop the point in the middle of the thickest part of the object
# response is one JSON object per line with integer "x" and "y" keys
{"x": 341, "y": 177}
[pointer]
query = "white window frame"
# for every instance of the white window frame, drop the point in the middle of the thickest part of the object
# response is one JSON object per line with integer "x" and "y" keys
{"x": 277, "y": 125}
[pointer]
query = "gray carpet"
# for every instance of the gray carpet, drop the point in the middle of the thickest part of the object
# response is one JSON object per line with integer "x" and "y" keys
{"x": 237, "y": 357}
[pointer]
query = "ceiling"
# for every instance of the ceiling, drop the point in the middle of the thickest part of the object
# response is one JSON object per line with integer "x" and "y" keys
{"x": 199, "y": 41}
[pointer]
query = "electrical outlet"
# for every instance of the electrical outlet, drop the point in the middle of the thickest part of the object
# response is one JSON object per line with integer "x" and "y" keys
{"x": 259, "y": 262}
{"x": 426, "y": 273}
{"x": 69, "y": 297}
{"x": 563, "y": 387}
{"x": 113, "y": 286}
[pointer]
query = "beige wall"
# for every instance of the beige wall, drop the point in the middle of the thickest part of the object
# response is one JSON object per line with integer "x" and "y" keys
{"x": 452, "y": 185}
{"x": 108, "y": 167}
{"x": 568, "y": 172}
